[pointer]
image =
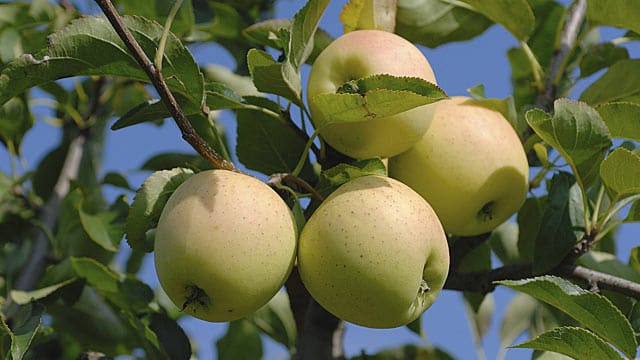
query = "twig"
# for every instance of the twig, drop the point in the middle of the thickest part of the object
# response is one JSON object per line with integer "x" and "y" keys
{"x": 321, "y": 336}
{"x": 568, "y": 37}
{"x": 188, "y": 132}
{"x": 284, "y": 178}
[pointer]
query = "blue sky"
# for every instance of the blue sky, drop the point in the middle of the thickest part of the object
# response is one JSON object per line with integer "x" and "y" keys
{"x": 457, "y": 66}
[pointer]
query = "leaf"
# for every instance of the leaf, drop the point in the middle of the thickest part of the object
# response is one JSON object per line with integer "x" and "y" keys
{"x": 504, "y": 242}
{"x": 481, "y": 317}
{"x": 25, "y": 297}
{"x": 601, "y": 56}
{"x": 575, "y": 342}
{"x": 416, "y": 326}
{"x": 100, "y": 229}
{"x": 268, "y": 145}
{"x": 303, "y": 29}
{"x": 578, "y": 133}
{"x": 242, "y": 341}
{"x": 171, "y": 337}
{"x": 408, "y": 351}
{"x": 276, "y": 320}
{"x": 620, "y": 13}
{"x": 376, "y": 96}
{"x": 562, "y": 223}
{"x": 634, "y": 213}
{"x": 148, "y": 204}
{"x": 167, "y": 161}
{"x": 26, "y": 325}
{"x": 609, "y": 264}
{"x": 158, "y": 10}
{"x": 619, "y": 83}
{"x": 517, "y": 318}
{"x": 274, "y": 78}
{"x": 516, "y": 16}
{"x": 436, "y": 22}
{"x": 343, "y": 173}
{"x": 15, "y": 121}
{"x": 90, "y": 46}
{"x": 98, "y": 275}
{"x": 478, "y": 259}
{"x": 620, "y": 173}
{"x": 529, "y": 221}
{"x": 369, "y": 14}
{"x": 116, "y": 179}
{"x": 622, "y": 119}
{"x": 592, "y": 310}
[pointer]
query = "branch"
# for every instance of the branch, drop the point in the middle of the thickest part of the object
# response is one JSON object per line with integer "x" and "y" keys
{"x": 321, "y": 336}
{"x": 188, "y": 132}
{"x": 568, "y": 38}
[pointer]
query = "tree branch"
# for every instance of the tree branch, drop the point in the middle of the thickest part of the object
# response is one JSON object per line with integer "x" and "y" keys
{"x": 188, "y": 132}
{"x": 568, "y": 38}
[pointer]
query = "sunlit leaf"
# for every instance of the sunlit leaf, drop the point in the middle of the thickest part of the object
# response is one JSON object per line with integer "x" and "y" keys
{"x": 622, "y": 119}
{"x": 620, "y": 173}
{"x": 516, "y": 16}
{"x": 619, "y": 13}
{"x": 242, "y": 341}
{"x": 578, "y": 343}
{"x": 619, "y": 83}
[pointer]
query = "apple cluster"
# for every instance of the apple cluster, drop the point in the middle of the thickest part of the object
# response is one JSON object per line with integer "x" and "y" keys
{"x": 375, "y": 252}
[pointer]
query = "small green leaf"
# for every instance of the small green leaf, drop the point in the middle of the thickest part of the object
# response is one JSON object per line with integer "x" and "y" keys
{"x": 158, "y": 10}
{"x": 25, "y": 297}
{"x": 634, "y": 259}
{"x": 376, "y": 96}
{"x": 619, "y": 83}
{"x": 578, "y": 343}
{"x": 343, "y": 172}
{"x": 408, "y": 351}
{"x": 619, "y": 13}
{"x": 148, "y": 204}
{"x": 167, "y": 161}
{"x": 620, "y": 173}
{"x": 15, "y": 121}
{"x": 529, "y": 221}
{"x": 578, "y": 133}
{"x": 601, "y": 56}
{"x": 504, "y": 242}
{"x": 171, "y": 336}
{"x": 562, "y": 223}
{"x": 26, "y": 325}
{"x": 116, "y": 179}
{"x": 96, "y": 274}
{"x": 303, "y": 30}
{"x": 416, "y": 326}
{"x": 268, "y": 145}
{"x": 435, "y": 22}
{"x": 220, "y": 96}
{"x": 274, "y": 78}
{"x": 592, "y": 310}
{"x": 515, "y": 15}
{"x": 481, "y": 317}
{"x": 242, "y": 341}
{"x": 276, "y": 320}
{"x": 634, "y": 213}
{"x": 622, "y": 119}
{"x": 98, "y": 228}
{"x": 517, "y": 318}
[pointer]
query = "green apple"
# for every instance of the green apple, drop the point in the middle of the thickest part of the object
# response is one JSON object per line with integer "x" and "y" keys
{"x": 356, "y": 55}
{"x": 470, "y": 166}
{"x": 374, "y": 253}
{"x": 224, "y": 246}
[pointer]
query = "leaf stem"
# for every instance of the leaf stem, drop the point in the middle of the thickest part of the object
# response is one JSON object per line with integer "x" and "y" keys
{"x": 188, "y": 132}
{"x": 536, "y": 68}
{"x": 596, "y": 208}
{"x": 165, "y": 33}
{"x": 615, "y": 208}
{"x": 305, "y": 154}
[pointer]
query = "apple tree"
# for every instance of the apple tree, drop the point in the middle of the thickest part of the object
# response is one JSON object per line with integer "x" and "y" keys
{"x": 342, "y": 199}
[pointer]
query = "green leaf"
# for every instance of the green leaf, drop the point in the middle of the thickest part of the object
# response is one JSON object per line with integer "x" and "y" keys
{"x": 276, "y": 320}
{"x": 622, "y": 119}
{"x": 242, "y": 341}
{"x": 619, "y": 83}
{"x": 478, "y": 259}
{"x": 148, "y": 204}
{"x": 167, "y": 161}
{"x": 26, "y": 325}
{"x": 171, "y": 337}
{"x": 435, "y": 22}
{"x": 601, "y": 56}
{"x": 517, "y": 318}
{"x": 562, "y": 223}
{"x": 516, "y": 16}
{"x": 221, "y": 96}
{"x": 416, "y": 326}
{"x": 116, "y": 179}
{"x": 96, "y": 274}
{"x": 268, "y": 145}
{"x": 274, "y": 78}
{"x": 608, "y": 264}
{"x": 100, "y": 229}
{"x": 90, "y": 46}
{"x": 592, "y": 310}
{"x": 158, "y": 10}
{"x": 376, "y": 96}
{"x": 409, "y": 351}
{"x": 578, "y": 133}
{"x": 15, "y": 121}
{"x": 634, "y": 213}
{"x": 619, "y": 13}
{"x": 303, "y": 30}
{"x": 620, "y": 173}
{"x": 529, "y": 221}
{"x": 481, "y": 317}
{"x": 343, "y": 173}
{"x": 25, "y": 297}
{"x": 578, "y": 343}
{"x": 504, "y": 242}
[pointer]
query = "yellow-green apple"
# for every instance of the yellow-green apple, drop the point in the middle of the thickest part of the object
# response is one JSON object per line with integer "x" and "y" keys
{"x": 470, "y": 166}
{"x": 225, "y": 244}
{"x": 374, "y": 253}
{"x": 356, "y": 55}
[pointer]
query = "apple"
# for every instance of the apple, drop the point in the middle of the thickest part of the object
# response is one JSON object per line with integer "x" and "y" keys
{"x": 374, "y": 253}
{"x": 470, "y": 166}
{"x": 225, "y": 244}
{"x": 356, "y": 55}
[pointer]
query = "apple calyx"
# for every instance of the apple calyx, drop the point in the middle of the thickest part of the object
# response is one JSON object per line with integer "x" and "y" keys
{"x": 486, "y": 213}
{"x": 196, "y": 297}
{"x": 350, "y": 87}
